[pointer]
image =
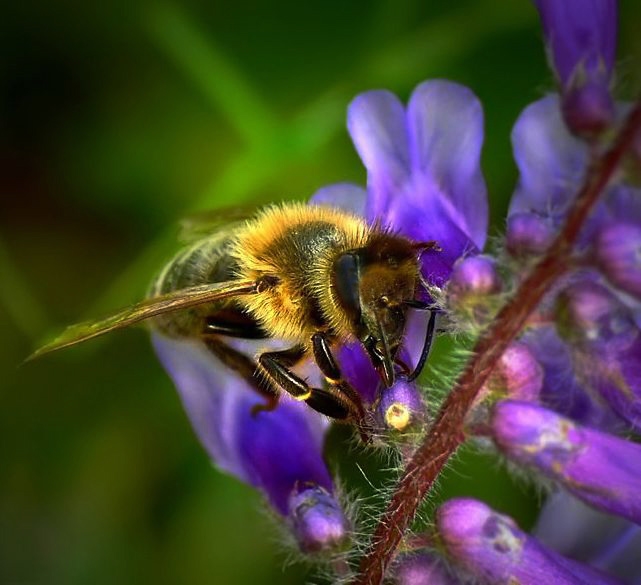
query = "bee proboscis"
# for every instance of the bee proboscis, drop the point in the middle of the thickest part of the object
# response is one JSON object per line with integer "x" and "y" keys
{"x": 312, "y": 276}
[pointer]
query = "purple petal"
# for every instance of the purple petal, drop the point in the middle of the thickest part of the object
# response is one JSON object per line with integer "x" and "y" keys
{"x": 430, "y": 220}
{"x": 358, "y": 370}
{"x": 606, "y": 346}
{"x": 551, "y": 162}
{"x": 257, "y": 449}
{"x": 445, "y": 124}
{"x": 376, "y": 123}
{"x": 561, "y": 389}
{"x": 601, "y": 469}
{"x": 492, "y": 548}
{"x": 345, "y": 196}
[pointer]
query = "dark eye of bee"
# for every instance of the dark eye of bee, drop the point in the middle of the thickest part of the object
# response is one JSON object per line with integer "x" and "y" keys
{"x": 346, "y": 283}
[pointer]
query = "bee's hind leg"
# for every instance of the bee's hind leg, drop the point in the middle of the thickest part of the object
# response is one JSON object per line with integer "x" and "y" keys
{"x": 246, "y": 368}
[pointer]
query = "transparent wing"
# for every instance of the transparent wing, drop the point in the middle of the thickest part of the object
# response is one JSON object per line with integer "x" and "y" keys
{"x": 205, "y": 223}
{"x": 174, "y": 301}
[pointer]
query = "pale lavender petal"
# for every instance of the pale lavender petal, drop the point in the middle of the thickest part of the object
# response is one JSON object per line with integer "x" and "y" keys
{"x": 211, "y": 394}
{"x": 256, "y": 448}
{"x": 445, "y": 123}
{"x": 345, "y": 196}
{"x": 551, "y": 162}
{"x": 376, "y": 123}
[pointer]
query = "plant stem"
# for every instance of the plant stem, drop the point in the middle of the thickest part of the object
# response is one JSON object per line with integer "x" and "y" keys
{"x": 446, "y": 433}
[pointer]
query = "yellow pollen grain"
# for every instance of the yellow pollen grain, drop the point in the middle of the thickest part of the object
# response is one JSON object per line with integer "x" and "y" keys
{"x": 398, "y": 416}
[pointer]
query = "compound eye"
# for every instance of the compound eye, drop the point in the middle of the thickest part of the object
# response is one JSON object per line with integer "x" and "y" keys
{"x": 346, "y": 283}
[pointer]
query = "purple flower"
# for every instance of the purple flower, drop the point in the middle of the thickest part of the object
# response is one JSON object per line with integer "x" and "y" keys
{"x": 581, "y": 41}
{"x": 580, "y": 381}
{"x": 278, "y": 452}
{"x": 424, "y": 181}
{"x": 423, "y": 170}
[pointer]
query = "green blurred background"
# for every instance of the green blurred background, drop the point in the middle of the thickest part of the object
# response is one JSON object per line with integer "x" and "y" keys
{"x": 117, "y": 119}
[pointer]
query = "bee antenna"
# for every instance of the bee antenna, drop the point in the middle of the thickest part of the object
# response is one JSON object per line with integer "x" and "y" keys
{"x": 427, "y": 344}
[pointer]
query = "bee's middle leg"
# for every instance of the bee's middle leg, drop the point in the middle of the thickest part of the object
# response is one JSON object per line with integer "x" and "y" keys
{"x": 339, "y": 400}
{"x": 277, "y": 366}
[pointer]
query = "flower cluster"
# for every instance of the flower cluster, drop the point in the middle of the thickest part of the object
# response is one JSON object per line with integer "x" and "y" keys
{"x": 564, "y": 395}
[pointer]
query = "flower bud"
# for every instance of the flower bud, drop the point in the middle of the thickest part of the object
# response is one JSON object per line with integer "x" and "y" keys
{"x": 518, "y": 375}
{"x": 598, "y": 468}
{"x": 474, "y": 276}
{"x": 318, "y": 523}
{"x": 587, "y": 107}
{"x": 400, "y": 407}
{"x": 528, "y": 234}
{"x": 581, "y": 40}
{"x": 618, "y": 255}
{"x": 492, "y": 548}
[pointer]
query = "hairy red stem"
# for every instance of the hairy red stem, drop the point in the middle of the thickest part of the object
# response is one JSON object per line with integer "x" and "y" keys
{"x": 446, "y": 433}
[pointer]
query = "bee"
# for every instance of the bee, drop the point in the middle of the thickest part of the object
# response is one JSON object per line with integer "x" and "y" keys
{"x": 315, "y": 277}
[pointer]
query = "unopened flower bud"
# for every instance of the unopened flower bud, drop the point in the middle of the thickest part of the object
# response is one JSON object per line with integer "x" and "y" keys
{"x": 528, "y": 234}
{"x": 318, "y": 522}
{"x": 400, "y": 407}
{"x": 475, "y": 276}
{"x": 588, "y": 108}
{"x": 493, "y": 549}
{"x": 618, "y": 255}
{"x": 581, "y": 40}
{"x": 518, "y": 375}
{"x": 598, "y": 468}
{"x": 474, "y": 281}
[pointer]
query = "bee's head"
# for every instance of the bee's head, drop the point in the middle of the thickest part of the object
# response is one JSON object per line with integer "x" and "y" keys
{"x": 373, "y": 286}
